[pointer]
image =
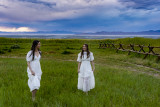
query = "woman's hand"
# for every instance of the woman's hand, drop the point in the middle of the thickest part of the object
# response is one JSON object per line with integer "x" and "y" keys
{"x": 79, "y": 64}
{"x": 28, "y": 63}
{"x": 93, "y": 69}
{"x": 32, "y": 73}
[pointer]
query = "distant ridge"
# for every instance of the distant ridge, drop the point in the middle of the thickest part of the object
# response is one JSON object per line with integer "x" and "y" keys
{"x": 150, "y": 32}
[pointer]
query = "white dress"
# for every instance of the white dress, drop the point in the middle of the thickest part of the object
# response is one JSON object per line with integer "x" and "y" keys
{"x": 34, "y": 81}
{"x": 86, "y": 80}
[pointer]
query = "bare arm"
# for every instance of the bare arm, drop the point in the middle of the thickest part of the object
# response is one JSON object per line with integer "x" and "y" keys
{"x": 93, "y": 67}
{"x": 79, "y": 65}
{"x": 28, "y": 63}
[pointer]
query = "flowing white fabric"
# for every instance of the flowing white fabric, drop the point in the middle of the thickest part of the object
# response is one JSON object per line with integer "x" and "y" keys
{"x": 34, "y": 81}
{"x": 86, "y": 80}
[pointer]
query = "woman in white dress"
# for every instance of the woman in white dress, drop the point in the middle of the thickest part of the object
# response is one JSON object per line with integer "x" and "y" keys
{"x": 34, "y": 68}
{"x": 86, "y": 80}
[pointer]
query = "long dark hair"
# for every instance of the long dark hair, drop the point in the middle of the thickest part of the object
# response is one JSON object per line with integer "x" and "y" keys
{"x": 33, "y": 48}
{"x": 88, "y": 52}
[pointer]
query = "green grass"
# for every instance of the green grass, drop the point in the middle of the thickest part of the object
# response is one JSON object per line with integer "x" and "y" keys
{"x": 119, "y": 81}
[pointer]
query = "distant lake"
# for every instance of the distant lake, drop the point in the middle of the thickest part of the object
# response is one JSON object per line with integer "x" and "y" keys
{"x": 73, "y": 36}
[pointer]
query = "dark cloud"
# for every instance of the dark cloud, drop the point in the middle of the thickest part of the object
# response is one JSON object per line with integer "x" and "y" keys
{"x": 143, "y": 4}
{"x": 40, "y": 2}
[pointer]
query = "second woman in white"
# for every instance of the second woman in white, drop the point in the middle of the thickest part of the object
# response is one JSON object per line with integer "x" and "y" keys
{"x": 86, "y": 80}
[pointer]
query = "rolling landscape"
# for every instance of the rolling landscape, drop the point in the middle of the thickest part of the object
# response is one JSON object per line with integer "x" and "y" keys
{"x": 121, "y": 79}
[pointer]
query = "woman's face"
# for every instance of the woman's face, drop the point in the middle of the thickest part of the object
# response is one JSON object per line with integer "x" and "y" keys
{"x": 38, "y": 45}
{"x": 84, "y": 47}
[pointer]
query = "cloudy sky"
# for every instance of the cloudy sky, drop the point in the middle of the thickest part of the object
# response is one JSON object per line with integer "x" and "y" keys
{"x": 79, "y": 15}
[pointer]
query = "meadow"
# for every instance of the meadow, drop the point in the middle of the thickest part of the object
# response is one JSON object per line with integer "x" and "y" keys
{"x": 121, "y": 80}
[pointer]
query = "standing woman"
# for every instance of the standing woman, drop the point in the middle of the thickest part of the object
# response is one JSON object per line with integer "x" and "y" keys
{"x": 86, "y": 80}
{"x": 34, "y": 68}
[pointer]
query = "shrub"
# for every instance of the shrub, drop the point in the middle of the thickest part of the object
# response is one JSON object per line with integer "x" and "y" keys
{"x": 2, "y": 52}
{"x": 67, "y": 52}
{"x": 69, "y": 48}
{"x": 15, "y": 47}
{"x": 5, "y": 49}
{"x": 9, "y": 50}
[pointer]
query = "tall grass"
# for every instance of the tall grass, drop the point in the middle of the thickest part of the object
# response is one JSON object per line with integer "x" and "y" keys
{"x": 114, "y": 86}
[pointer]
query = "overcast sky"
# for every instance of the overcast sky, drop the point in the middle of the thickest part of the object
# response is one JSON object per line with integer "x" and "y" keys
{"x": 79, "y": 15}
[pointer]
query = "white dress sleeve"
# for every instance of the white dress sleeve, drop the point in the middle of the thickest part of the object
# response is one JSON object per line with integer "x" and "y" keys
{"x": 28, "y": 57}
{"x": 91, "y": 56}
{"x": 79, "y": 58}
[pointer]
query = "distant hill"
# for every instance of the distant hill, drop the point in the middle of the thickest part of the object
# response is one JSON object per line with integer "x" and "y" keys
{"x": 150, "y": 32}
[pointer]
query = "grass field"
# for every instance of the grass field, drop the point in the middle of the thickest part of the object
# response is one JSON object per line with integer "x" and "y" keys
{"x": 121, "y": 80}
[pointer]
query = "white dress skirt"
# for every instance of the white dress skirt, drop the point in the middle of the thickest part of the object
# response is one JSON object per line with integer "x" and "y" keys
{"x": 34, "y": 81}
{"x": 86, "y": 80}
